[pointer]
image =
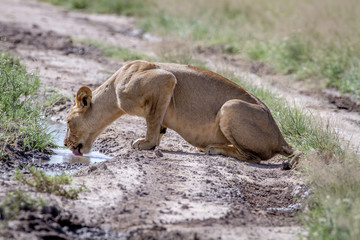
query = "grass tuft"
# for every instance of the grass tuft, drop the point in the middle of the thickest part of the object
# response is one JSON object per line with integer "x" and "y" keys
{"x": 334, "y": 208}
{"x": 16, "y": 201}
{"x": 43, "y": 182}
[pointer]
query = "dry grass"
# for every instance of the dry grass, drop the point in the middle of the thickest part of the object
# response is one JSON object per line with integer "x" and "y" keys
{"x": 334, "y": 211}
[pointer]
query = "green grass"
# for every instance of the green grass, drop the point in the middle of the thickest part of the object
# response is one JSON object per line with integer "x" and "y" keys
{"x": 20, "y": 118}
{"x": 15, "y": 201}
{"x": 43, "y": 182}
{"x": 334, "y": 207}
{"x": 339, "y": 67}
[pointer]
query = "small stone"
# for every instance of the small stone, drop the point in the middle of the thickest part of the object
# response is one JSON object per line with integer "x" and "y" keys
{"x": 158, "y": 153}
{"x": 285, "y": 165}
{"x": 92, "y": 168}
{"x": 185, "y": 206}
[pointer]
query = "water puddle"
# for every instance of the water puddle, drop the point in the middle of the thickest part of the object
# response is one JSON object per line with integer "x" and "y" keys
{"x": 64, "y": 155}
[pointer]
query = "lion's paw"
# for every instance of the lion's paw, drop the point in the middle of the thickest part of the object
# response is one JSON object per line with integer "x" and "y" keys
{"x": 143, "y": 144}
{"x": 210, "y": 150}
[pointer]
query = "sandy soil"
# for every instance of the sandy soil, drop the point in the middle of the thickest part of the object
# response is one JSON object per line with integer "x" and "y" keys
{"x": 174, "y": 192}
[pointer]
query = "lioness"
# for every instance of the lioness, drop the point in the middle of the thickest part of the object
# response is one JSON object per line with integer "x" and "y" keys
{"x": 206, "y": 109}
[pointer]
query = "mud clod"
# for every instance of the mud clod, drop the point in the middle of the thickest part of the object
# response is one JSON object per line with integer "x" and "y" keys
{"x": 52, "y": 223}
{"x": 285, "y": 165}
{"x": 158, "y": 153}
{"x": 46, "y": 40}
{"x": 344, "y": 102}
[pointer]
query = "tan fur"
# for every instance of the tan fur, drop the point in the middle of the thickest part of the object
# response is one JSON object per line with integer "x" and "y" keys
{"x": 206, "y": 109}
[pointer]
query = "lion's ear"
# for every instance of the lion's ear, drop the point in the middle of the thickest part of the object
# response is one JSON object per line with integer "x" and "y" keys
{"x": 83, "y": 98}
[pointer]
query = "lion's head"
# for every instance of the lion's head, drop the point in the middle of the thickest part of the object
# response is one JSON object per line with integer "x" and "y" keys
{"x": 79, "y": 135}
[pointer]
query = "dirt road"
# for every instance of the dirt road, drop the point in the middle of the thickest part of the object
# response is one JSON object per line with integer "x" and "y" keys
{"x": 174, "y": 192}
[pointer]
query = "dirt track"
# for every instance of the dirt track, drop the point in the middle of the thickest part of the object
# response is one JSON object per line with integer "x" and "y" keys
{"x": 174, "y": 192}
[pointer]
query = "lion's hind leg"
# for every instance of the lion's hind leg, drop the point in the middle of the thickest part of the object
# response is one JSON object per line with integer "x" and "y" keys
{"x": 250, "y": 129}
{"x": 231, "y": 151}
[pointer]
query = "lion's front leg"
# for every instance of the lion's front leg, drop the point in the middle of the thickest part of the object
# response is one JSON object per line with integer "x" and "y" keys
{"x": 160, "y": 93}
{"x": 152, "y": 138}
{"x": 143, "y": 144}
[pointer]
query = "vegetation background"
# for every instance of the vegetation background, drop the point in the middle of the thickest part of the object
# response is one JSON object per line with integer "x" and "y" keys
{"x": 314, "y": 40}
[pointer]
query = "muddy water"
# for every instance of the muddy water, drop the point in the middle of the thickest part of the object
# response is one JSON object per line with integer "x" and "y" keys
{"x": 63, "y": 155}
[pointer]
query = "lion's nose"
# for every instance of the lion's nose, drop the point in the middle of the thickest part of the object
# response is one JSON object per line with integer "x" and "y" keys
{"x": 65, "y": 144}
